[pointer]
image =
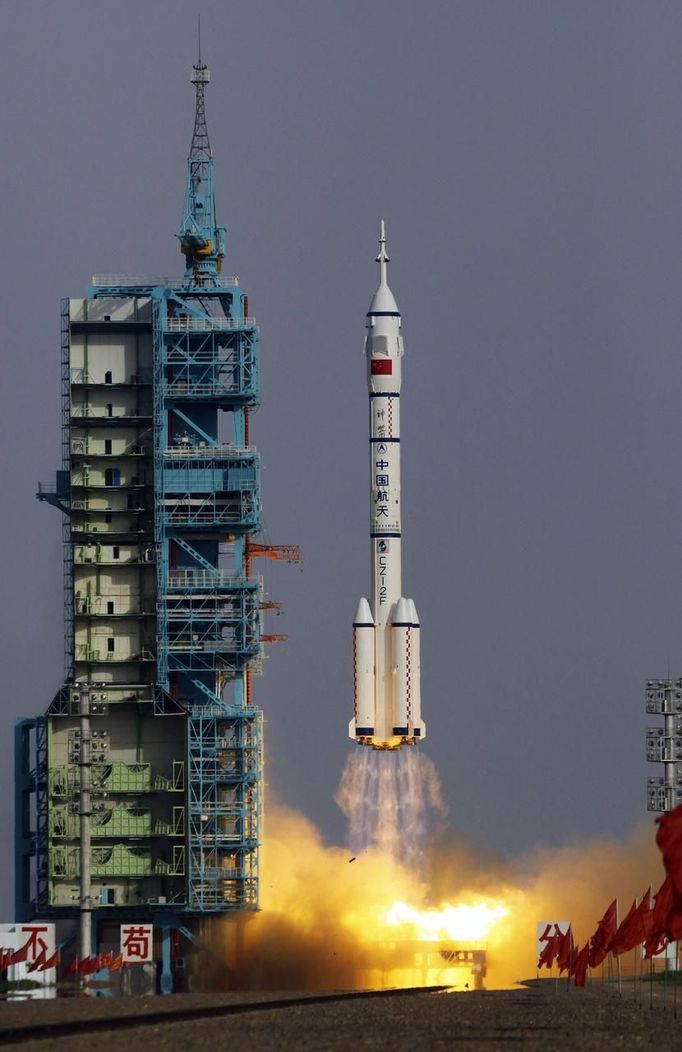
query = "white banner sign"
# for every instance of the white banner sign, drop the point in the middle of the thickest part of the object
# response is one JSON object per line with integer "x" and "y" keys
{"x": 137, "y": 943}
{"x": 547, "y": 929}
{"x": 34, "y": 943}
{"x": 36, "y": 937}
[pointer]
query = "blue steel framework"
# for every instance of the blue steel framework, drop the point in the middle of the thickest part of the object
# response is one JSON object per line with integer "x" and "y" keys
{"x": 206, "y": 502}
{"x": 207, "y": 495}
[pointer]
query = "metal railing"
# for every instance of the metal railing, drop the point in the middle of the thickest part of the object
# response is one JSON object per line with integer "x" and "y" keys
{"x": 80, "y": 375}
{"x": 230, "y": 646}
{"x": 186, "y": 387}
{"x": 121, "y": 280}
{"x": 190, "y": 578}
{"x": 206, "y": 452}
{"x": 99, "y": 412}
{"x": 207, "y": 324}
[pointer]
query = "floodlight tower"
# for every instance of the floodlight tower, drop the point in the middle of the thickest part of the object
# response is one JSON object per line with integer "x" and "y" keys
{"x": 664, "y": 744}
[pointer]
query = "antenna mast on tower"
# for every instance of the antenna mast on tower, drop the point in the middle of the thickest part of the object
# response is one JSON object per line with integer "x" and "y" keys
{"x": 202, "y": 241}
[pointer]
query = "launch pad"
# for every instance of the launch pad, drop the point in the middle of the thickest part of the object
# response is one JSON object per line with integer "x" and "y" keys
{"x": 425, "y": 963}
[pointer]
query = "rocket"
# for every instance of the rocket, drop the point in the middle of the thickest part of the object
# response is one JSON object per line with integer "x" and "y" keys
{"x": 386, "y": 664}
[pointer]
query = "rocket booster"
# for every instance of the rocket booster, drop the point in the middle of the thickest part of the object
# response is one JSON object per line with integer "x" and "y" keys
{"x": 386, "y": 668}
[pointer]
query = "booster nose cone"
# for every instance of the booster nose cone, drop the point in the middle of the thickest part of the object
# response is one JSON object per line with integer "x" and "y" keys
{"x": 402, "y": 615}
{"x": 363, "y": 616}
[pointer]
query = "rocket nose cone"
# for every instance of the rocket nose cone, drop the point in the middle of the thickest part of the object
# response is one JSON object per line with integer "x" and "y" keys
{"x": 414, "y": 616}
{"x": 363, "y": 614}
{"x": 383, "y": 301}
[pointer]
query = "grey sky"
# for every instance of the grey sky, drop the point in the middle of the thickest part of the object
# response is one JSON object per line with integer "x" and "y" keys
{"x": 526, "y": 157}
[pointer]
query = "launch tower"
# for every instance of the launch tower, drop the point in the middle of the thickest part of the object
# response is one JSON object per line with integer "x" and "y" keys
{"x": 138, "y": 790}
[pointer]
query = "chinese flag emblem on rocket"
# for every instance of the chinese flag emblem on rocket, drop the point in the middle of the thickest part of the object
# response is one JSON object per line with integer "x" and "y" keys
{"x": 382, "y": 367}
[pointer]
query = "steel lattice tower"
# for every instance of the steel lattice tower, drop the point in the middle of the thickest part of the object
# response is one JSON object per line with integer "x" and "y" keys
{"x": 139, "y": 789}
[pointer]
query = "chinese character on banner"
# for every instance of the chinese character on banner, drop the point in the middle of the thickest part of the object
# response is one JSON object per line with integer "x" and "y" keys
{"x": 137, "y": 941}
{"x": 37, "y": 940}
{"x": 546, "y": 930}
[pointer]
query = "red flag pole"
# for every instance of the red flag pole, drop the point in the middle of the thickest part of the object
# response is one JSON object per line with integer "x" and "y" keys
{"x": 651, "y": 982}
{"x": 675, "y": 983}
{"x": 620, "y": 977}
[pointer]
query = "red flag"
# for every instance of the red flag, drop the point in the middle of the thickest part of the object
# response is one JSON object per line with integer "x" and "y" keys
{"x": 602, "y": 938}
{"x": 635, "y": 928}
{"x": 38, "y": 963}
{"x": 20, "y": 955}
{"x": 116, "y": 963}
{"x": 51, "y": 962}
{"x": 72, "y": 967}
{"x": 89, "y": 965}
{"x": 615, "y": 946}
{"x": 549, "y": 951}
{"x": 669, "y": 840}
{"x": 566, "y": 952}
{"x": 663, "y": 901}
{"x": 580, "y": 965}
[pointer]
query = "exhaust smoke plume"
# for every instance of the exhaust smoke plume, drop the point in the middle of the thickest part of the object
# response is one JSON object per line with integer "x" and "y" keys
{"x": 333, "y": 918}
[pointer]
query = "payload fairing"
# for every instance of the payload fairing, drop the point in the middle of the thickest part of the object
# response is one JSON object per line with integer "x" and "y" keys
{"x": 386, "y": 664}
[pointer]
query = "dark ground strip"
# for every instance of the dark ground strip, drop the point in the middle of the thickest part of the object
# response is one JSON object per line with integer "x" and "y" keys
{"x": 175, "y": 1013}
{"x": 596, "y": 1019}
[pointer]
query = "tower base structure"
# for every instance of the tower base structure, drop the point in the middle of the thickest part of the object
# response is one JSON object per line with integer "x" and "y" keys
{"x": 138, "y": 790}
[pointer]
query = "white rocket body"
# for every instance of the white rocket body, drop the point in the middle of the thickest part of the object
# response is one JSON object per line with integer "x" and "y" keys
{"x": 386, "y": 662}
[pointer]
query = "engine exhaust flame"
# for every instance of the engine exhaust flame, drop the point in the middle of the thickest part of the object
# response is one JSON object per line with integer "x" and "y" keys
{"x": 391, "y": 799}
{"x": 460, "y": 923}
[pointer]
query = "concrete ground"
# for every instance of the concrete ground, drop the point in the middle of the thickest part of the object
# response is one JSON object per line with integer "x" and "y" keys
{"x": 540, "y": 1017}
